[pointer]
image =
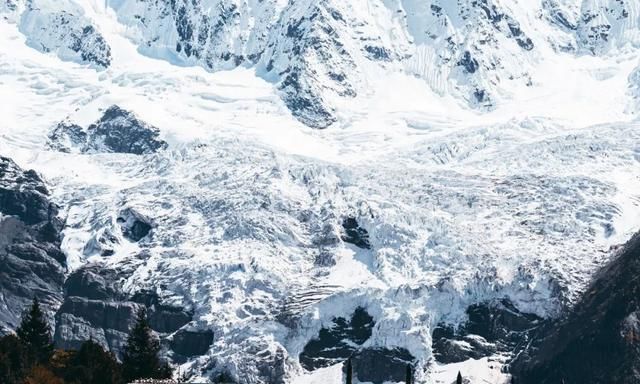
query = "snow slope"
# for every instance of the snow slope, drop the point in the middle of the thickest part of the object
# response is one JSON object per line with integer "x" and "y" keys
{"x": 520, "y": 194}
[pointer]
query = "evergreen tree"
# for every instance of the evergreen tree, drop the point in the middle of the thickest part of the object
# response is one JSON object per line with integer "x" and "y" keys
{"x": 140, "y": 359}
{"x": 91, "y": 364}
{"x": 459, "y": 378}
{"x": 13, "y": 360}
{"x": 349, "y": 372}
{"x": 409, "y": 377}
{"x": 34, "y": 334}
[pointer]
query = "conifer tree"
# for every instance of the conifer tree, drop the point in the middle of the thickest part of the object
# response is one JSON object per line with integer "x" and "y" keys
{"x": 140, "y": 359}
{"x": 13, "y": 360}
{"x": 34, "y": 334}
{"x": 409, "y": 377}
{"x": 349, "y": 372}
{"x": 91, "y": 364}
{"x": 459, "y": 378}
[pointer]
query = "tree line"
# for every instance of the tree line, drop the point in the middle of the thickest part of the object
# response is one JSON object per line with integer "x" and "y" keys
{"x": 29, "y": 356}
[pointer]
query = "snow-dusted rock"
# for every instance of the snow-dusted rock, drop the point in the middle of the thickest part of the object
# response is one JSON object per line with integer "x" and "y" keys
{"x": 117, "y": 131}
{"x": 61, "y": 27}
{"x": 415, "y": 207}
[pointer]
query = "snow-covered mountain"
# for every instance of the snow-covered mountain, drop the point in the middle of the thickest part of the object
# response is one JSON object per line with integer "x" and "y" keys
{"x": 479, "y": 160}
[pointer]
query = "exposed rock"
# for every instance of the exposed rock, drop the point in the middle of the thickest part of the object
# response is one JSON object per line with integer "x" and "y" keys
{"x": 94, "y": 282}
{"x": 597, "y": 342}
{"x": 102, "y": 243}
{"x": 80, "y": 319}
{"x": 191, "y": 343}
{"x": 337, "y": 343}
{"x": 451, "y": 348}
{"x": 167, "y": 319}
{"x": 135, "y": 226}
{"x": 468, "y": 63}
{"x": 120, "y": 131}
{"x": 61, "y": 27}
{"x": 381, "y": 365}
{"x": 96, "y": 308}
{"x": 354, "y": 234}
{"x": 67, "y": 137}
{"x": 117, "y": 131}
{"x": 492, "y": 327}
{"x": 500, "y": 321}
{"x": 31, "y": 262}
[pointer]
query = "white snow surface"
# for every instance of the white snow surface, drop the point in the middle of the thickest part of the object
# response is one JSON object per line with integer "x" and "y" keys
{"x": 524, "y": 199}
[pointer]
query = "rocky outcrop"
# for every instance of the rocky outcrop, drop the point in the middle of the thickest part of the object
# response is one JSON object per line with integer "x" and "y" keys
{"x": 191, "y": 343}
{"x": 494, "y": 326}
{"x": 120, "y": 131}
{"x": 62, "y": 27}
{"x": 135, "y": 226}
{"x": 31, "y": 262}
{"x": 103, "y": 243}
{"x": 337, "y": 343}
{"x": 66, "y": 137}
{"x": 117, "y": 131}
{"x": 354, "y": 234}
{"x": 597, "y": 342}
{"x": 95, "y": 308}
{"x": 381, "y": 365}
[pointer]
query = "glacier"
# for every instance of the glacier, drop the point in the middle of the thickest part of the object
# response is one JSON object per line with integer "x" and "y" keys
{"x": 489, "y": 149}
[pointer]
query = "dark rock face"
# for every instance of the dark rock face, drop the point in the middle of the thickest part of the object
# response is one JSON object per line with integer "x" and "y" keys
{"x": 380, "y": 365}
{"x": 80, "y": 319}
{"x": 337, "y": 343}
{"x": 117, "y": 131}
{"x": 66, "y": 136}
{"x": 121, "y": 131}
{"x": 469, "y": 64}
{"x": 495, "y": 326}
{"x": 598, "y": 341}
{"x": 135, "y": 226}
{"x": 500, "y": 321}
{"x": 449, "y": 347}
{"x": 94, "y": 283}
{"x": 96, "y": 308}
{"x": 354, "y": 234}
{"x": 191, "y": 343}
{"x": 31, "y": 262}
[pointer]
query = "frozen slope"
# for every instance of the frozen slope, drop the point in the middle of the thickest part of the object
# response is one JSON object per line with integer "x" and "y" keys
{"x": 248, "y": 203}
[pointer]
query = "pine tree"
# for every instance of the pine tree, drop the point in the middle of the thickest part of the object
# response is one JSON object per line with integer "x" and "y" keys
{"x": 13, "y": 360}
{"x": 459, "y": 378}
{"x": 140, "y": 359}
{"x": 409, "y": 377}
{"x": 91, "y": 364}
{"x": 349, "y": 372}
{"x": 34, "y": 334}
